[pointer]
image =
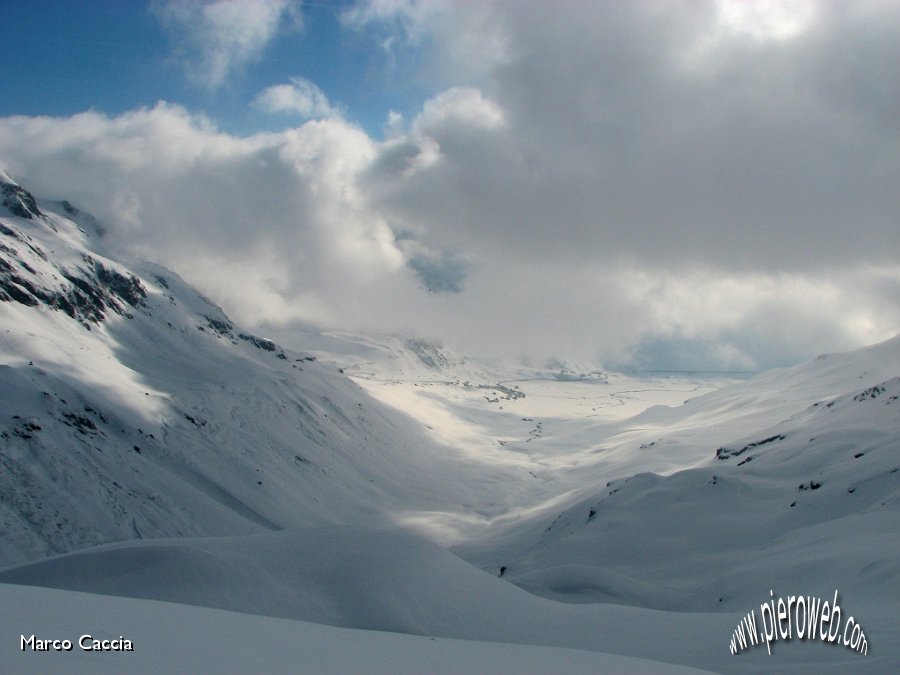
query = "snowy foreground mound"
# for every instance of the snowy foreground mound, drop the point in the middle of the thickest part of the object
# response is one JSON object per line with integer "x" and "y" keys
{"x": 182, "y": 639}
{"x": 152, "y": 450}
{"x": 378, "y": 581}
{"x": 383, "y": 581}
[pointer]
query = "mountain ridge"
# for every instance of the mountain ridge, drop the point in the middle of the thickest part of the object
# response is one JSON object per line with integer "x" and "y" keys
{"x": 134, "y": 407}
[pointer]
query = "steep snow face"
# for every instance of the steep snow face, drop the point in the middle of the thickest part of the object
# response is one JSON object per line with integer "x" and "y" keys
{"x": 132, "y": 407}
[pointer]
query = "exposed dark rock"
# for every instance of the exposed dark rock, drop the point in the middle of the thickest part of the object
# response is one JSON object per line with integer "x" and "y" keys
{"x": 90, "y": 293}
{"x": 19, "y": 201}
{"x": 263, "y": 343}
{"x": 196, "y": 421}
{"x": 222, "y": 327}
{"x": 258, "y": 342}
{"x": 127, "y": 288}
{"x": 26, "y": 429}
{"x": 728, "y": 453}
{"x": 870, "y": 393}
{"x": 83, "y": 425}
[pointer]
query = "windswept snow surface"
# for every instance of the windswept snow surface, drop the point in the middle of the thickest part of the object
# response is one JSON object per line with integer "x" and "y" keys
{"x": 150, "y": 448}
{"x": 171, "y": 638}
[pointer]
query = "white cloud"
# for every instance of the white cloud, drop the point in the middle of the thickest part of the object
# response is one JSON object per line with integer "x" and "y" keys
{"x": 766, "y": 19}
{"x": 287, "y": 226}
{"x": 609, "y": 147}
{"x": 592, "y": 193}
{"x": 459, "y": 107}
{"x": 216, "y": 39}
{"x": 395, "y": 125}
{"x": 273, "y": 226}
{"x": 300, "y": 97}
{"x": 411, "y": 20}
{"x": 745, "y": 321}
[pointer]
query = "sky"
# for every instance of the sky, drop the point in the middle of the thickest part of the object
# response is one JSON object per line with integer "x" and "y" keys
{"x": 685, "y": 185}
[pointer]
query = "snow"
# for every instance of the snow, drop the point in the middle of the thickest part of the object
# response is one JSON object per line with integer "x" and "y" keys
{"x": 329, "y": 499}
{"x": 388, "y": 581}
{"x": 171, "y": 638}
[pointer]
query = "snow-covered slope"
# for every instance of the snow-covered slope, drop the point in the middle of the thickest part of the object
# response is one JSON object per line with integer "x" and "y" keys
{"x": 788, "y": 482}
{"x": 132, "y": 407}
{"x": 398, "y": 582}
{"x": 237, "y": 474}
{"x": 166, "y": 639}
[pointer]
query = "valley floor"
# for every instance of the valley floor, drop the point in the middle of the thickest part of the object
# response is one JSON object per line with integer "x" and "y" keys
{"x": 661, "y": 588}
{"x": 228, "y": 503}
{"x": 544, "y": 432}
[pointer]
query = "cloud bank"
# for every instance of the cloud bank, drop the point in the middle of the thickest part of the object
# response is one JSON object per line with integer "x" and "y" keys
{"x": 682, "y": 185}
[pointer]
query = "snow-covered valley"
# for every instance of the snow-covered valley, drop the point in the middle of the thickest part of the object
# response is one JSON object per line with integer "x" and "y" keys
{"x": 560, "y": 517}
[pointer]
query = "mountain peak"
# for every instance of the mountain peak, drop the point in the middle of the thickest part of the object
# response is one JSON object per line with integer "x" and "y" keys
{"x": 17, "y": 200}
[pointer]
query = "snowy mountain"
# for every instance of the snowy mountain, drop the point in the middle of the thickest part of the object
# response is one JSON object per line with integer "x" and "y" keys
{"x": 150, "y": 448}
{"x": 696, "y": 502}
{"x": 132, "y": 407}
